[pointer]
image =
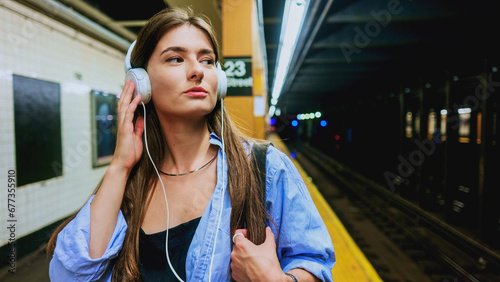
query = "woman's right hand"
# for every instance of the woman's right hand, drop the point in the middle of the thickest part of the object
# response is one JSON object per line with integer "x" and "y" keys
{"x": 128, "y": 149}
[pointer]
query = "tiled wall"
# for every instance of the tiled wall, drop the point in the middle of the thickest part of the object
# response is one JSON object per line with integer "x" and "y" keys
{"x": 36, "y": 46}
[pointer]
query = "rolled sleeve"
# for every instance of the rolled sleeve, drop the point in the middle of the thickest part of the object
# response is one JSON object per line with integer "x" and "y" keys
{"x": 71, "y": 260}
{"x": 304, "y": 241}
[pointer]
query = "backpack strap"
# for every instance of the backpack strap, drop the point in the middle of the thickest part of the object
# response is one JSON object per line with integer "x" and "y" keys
{"x": 260, "y": 155}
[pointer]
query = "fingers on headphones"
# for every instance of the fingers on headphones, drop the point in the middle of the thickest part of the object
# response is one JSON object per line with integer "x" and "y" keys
{"x": 126, "y": 104}
{"x": 127, "y": 91}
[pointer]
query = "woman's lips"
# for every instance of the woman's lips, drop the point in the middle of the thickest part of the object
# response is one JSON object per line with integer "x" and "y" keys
{"x": 197, "y": 92}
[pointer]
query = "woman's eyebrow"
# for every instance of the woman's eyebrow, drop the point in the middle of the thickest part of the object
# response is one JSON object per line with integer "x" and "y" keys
{"x": 174, "y": 49}
{"x": 206, "y": 51}
{"x": 202, "y": 51}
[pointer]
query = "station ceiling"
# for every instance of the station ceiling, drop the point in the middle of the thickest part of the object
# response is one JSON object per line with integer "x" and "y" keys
{"x": 347, "y": 48}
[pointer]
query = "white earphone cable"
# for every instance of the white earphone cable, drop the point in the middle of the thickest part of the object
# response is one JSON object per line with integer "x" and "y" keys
{"x": 164, "y": 194}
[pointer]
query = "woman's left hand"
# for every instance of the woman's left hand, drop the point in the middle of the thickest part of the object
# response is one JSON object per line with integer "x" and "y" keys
{"x": 250, "y": 262}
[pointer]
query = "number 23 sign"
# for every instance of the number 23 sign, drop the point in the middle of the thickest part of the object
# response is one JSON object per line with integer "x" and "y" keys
{"x": 239, "y": 76}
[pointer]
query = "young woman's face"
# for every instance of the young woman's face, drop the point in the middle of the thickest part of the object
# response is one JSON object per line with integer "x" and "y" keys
{"x": 183, "y": 74}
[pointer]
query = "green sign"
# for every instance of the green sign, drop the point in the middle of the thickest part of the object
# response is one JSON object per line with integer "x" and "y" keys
{"x": 239, "y": 76}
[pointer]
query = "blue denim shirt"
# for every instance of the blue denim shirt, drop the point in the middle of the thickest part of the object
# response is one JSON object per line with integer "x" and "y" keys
{"x": 304, "y": 240}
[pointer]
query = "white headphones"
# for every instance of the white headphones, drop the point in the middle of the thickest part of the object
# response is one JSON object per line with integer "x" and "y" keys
{"x": 140, "y": 78}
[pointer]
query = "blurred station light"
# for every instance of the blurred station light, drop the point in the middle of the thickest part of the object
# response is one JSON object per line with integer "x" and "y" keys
{"x": 309, "y": 116}
{"x": 464, "y": 110}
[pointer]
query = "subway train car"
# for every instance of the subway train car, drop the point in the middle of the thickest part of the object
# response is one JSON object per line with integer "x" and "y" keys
{"x": 433, "y": 144}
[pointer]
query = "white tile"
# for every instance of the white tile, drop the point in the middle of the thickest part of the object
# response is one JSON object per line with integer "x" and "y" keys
{"x": 36, "y": 46}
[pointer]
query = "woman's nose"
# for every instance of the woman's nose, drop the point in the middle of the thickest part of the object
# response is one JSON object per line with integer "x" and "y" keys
{"x": 195, "y": 71}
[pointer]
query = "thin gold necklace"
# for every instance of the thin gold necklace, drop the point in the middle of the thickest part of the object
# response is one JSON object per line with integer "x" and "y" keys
{"x": 189, "y": 172}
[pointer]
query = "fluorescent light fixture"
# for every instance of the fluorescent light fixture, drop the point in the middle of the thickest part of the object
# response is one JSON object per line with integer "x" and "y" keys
{"x": 293, "y": 17}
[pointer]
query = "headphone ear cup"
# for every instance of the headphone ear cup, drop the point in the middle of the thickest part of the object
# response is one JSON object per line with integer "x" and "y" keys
{"x": 222, "y": 83}
{"x": 140, "y": 78}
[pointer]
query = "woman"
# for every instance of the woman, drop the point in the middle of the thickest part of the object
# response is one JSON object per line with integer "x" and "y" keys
{"x": 213, "y": 218}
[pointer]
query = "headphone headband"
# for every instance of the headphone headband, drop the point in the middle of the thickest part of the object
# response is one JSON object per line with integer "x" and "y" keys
{"x": 128, "y": 65}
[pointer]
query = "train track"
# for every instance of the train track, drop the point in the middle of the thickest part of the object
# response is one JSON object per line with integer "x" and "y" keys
{"x": 440, "y": 252}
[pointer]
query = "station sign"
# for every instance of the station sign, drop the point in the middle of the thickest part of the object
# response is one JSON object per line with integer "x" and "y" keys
{"x": 239, "y": 76}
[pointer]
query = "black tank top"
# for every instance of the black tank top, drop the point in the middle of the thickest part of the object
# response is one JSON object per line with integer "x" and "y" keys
{"x": 153, "y": 263}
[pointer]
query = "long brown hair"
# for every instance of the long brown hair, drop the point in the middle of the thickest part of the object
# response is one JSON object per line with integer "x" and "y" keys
{"x": 244, "y": 187}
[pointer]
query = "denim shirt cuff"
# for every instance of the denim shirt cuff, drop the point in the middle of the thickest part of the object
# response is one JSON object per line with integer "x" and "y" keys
{"x": 72, "y": 247}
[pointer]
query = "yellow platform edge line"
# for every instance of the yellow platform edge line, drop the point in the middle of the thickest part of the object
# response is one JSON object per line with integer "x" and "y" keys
{"x": 321, "y": 204}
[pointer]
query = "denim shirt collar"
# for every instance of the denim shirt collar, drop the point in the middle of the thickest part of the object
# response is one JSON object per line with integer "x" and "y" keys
{"x": 215, "y": 140}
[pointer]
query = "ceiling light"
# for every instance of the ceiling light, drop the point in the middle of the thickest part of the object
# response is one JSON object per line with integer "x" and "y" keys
{"x": 293, "y": 17}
